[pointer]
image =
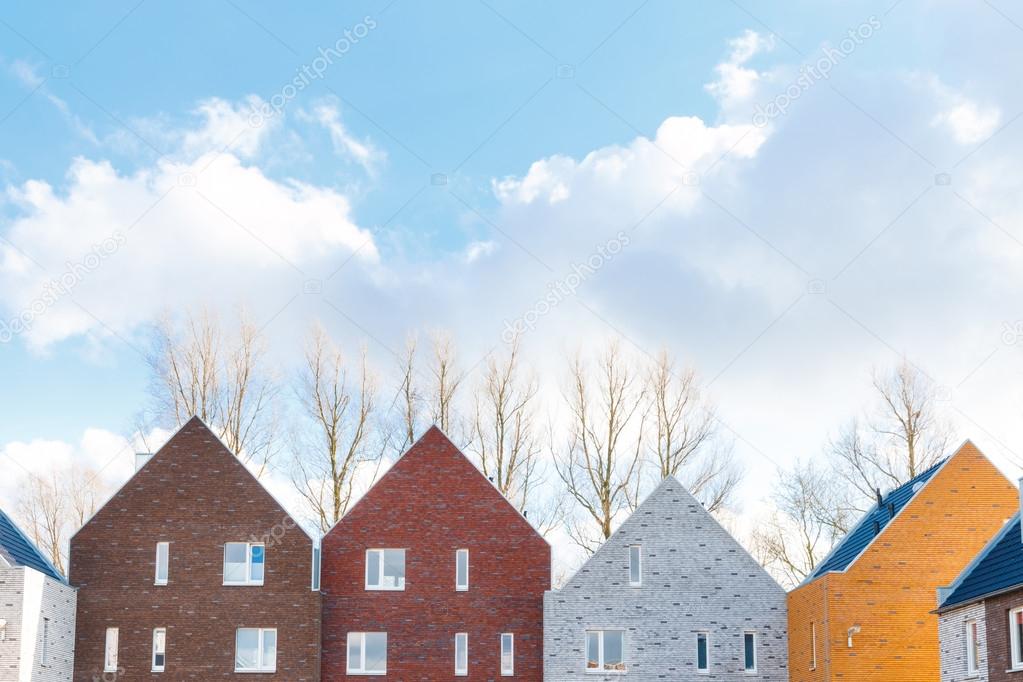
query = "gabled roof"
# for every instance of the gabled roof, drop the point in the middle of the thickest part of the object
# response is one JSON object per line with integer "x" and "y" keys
{"x": 998, "y": 568}
{"x": 18, "y": 550}
{"x": 860, "y": 537}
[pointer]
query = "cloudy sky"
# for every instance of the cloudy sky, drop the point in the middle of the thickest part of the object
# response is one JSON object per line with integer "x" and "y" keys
{"x": 784, "y": 195}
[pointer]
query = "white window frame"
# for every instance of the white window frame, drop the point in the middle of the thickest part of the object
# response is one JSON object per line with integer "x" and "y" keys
{"x": 248, "y": 581}
{"x": 464, "y": 587}
{"x": 317, "y": 560}
{"x": 972, "y": 638}
{"x": 1016, "y": 645}
{"x": 110, "y": 650}
{"x": 510, "y": 670}
{"x": 706, "y": 643}
{"x": 261, "y": 665}
{"x": 462, "y": 670}
{"x": 159, "y": 668}
{"x": 753, "y": 634}
{"x": 380, "y": 587}
{"x": 599, "y": 670}
{"x": 639, "y": 565}
{"x": 361, "y": 668}
{"x": 813, "y": 645}
{"x": 165, "y": 546}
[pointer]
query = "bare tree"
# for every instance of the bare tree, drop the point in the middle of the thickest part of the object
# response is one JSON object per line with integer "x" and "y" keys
{"x": 340, "y": 412}
{"x": 811, "y": 514}
{"x": 446, "y": 380}
{"x": 408, "y": 399}
{"x": 601, "y": 462}
{"x": 686, "y": 443}
{"x": 506, "y": 437}
{"x": 197, "y": 370}
{"x": 902, "y": 436}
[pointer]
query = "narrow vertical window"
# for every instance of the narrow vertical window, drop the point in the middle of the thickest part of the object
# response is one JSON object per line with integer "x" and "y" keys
{"x": 316, "y": 569}
{"x": 635, "y": 565}
{"x": 750, "y": 645}
{"x": 972, "y": 648}
{"x": 45, "y": 655}
{"x": 1016, "y": 637}
{"x": 159, "y": 649}
{"x": 462, "y": 653}
{"x": 702, "y": 653}
{"x": 110, "y": 652}
{"x": 813, "y": 646}
{"x": 162, "y": 562}
{"x": 462, "y": 570}
{"x": 507, "y": 654}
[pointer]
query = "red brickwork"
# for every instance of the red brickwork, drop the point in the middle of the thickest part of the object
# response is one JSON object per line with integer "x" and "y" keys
{"x": 432, "y": 502}
{"x": 196, "y": 495}
{"x": 996, "y": 615}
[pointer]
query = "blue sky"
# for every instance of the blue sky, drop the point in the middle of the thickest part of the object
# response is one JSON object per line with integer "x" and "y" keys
{"x": 783, "y": 258}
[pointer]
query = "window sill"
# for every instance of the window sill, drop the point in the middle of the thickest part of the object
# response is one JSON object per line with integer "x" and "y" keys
{"x": 244, "y": 585}
{"x": 356, "y": 672}
{"x": 370, "y": 588}
{"x": 254, "y": 671}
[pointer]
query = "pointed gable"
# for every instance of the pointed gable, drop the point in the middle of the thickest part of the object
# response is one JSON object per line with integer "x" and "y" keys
{"x": 17, "y": 550}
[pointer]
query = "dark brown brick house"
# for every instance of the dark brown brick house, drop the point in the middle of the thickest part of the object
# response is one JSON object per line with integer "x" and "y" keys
{"x": 192, "y": 571}
{"x": 434, "y": 575}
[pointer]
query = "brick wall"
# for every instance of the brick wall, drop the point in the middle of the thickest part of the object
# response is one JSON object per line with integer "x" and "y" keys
{"x": 952, "y": 640}
{"x": 27, "y": 597}
{"x": 432, "y": 502}
{"x": 695, "y": 578}
{"x": 997, "y": 617}
{"x": 197, "y": 496}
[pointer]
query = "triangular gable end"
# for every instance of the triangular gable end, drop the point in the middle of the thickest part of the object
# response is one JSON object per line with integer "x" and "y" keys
{"x": 168, "y": 450}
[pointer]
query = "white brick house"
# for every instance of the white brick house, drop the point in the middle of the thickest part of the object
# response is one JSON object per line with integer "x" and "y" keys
{"x": 37, "y": 613}
{"x": 670, "y": 595}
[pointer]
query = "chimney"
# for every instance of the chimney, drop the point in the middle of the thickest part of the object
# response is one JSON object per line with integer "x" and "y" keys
{"x": 891, "y": 510}
{"x": 880, "y": 500}
{"x": 141, "y": 458}
{"x": 877, "y": 528}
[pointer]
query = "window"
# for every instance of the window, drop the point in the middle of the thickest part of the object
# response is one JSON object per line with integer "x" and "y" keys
{"x": 44, "y": 658}
{"x": 159, "y": 649}
{"x": 110, "y": 652}
{"x": 813, "y": 646}
{"x": 255, "y": 650}
{"x": 702, "y": 653}
{"x": 462, "y": 570}
{"x": 507, "y": 654}
{"x": 316, "y": 569}
{"x": 367, "y": 653}
{"x": 385, "y": 569}
{"x": 244, "y": 563}
{"x": 605, "y": 651}
{"x": 462, "y": 653}
{"x": 972, "y": 648}
{"x": 1016, "y": 637}
{"x": 162, "y": 559}
{"x": 635, "y": 566}
{"x": 750, "y": 643}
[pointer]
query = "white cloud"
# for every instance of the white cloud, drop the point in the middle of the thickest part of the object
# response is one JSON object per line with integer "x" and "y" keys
{"x": 29, "y": 76}
{"x": 736, "y": 83}
{"x": 345, "y": 144}
{"x": 479, "y": 249}
{"x": 968, "y": 121}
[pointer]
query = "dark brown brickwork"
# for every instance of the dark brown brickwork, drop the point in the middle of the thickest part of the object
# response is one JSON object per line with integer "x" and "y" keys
{"x": 195, "y": 495}
{"x": 432, "y": 502}
{"x": 996, "y": 614}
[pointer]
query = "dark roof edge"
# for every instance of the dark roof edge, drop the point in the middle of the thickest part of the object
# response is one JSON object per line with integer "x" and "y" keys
{"x": 46, "y": 560}
{"x": 949, "y": 590}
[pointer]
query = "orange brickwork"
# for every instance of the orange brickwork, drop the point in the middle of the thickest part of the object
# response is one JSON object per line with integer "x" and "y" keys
{"x": 888, "y": 592}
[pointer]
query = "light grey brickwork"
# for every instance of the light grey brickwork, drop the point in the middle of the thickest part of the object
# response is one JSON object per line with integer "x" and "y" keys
{"x": 953, "y": 639}
{"x": 37, "y": 626}
{"x": 696, "y": 580}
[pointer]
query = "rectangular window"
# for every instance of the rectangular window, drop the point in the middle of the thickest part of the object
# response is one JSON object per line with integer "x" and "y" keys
{"x": 162, "y": 560}
{"x": 367, "y": 653}
{"x": 605, "y": 651}
{"x": 635, "y": 566}
{"x": 462, "y": 570}
{"x": 385, "y": 569}
{"x": 1016, "y": 637}
{"x": 159, "y": 649}
{"x": 255, "y": 650}
{"x": 972, "y": 648}
{"x": 507, "y": 654}
{"x": 750, "y": 644}
{"x": 316, "y": 569}
{"x": 813, "y": 646}
{"x": 702, "y": 653}
{"x": 244, "y": 563}
{"x": 110, "y": 652}
{"x": 45, "y": 655}
{"x": 462, "y": 653}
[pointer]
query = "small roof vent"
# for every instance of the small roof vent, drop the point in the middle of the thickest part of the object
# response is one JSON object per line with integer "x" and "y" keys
{"x": 917, "y": 486}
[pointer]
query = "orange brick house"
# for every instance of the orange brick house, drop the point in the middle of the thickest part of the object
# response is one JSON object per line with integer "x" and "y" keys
{"x": 864, "y": 615}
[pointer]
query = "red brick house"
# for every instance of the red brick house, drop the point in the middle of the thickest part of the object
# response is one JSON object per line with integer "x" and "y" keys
{"x": 192, "y": 571}
{"x": 434, "y": 575}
